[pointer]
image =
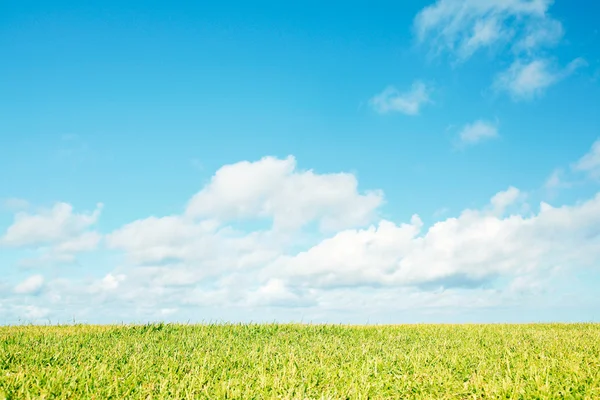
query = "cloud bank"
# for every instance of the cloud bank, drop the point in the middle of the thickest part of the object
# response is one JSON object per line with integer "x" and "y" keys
{"x": 320, "y": 246}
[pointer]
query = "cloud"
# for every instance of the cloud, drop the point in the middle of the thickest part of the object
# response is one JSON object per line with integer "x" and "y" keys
{"x": 86, "y": 241}
{"x": 409, "y": 103}
{"x": 477, "y": 132}
{"x": 560, "y": 179}
{"x": 527, "y": 80}
{"x": 467, "y": 251}
{"x": 107, "y": 284}
{"x": 32, "y": 312}
{"x": 502, "y": 200}
{"x": 275, "y": 189}
{"x": 196, "y": 247}
{"x": 57, "y": 234}
{"x": 463, "y": 27}
{"x": 590, "y": 162}
{"x": 179, "y": 250}
{"x": 543, "y": 33}
{"x": 31, "y": 285}
{"x": 207, "y": 263}
{"x": 555, "y": 179}
{"x": 50, "y": 226}
{"x": 523, "y": 28}
{"x": 587, "y": 166}
{"x": 276, "y": 293}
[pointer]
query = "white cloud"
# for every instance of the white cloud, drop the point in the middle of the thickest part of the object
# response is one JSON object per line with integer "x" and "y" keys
{"x": 473, "y": 248}
{"x": 154, "y": 240}
{"x": 463, "y": 27}
{"x": 86, "y": 241}
{"x": 32, "y": 312}
{"x": 590, "y": 162}
{"x": 180, "y": 250}
{"x": 196, "y": 246}
{"x": 525, "y": 27}
{"x": 48, "y": 227}
{"x": 527, "y": 80}
{"x": 491, "y": 256}
{"x": 57, "y": 234}
{"x": 502, "y": 200}
{"x": 107, "y": 284}
{"x": 477, "y": 132}
{"x": 409, "y": 103}
{"x": 31, "y": 285}
{"x": 178, "y": 256}
{"x": 543, "y": 33}
{"x": 274, "y": 188}
{"x": 168, "y": 311}
{"x": 275, "y": 292}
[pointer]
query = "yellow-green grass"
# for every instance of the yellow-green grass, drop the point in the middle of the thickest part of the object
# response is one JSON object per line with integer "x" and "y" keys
{"x": 264, "y": 361}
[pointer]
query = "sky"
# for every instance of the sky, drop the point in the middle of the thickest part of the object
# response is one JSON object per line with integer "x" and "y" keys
{"x": 329, "y": 162}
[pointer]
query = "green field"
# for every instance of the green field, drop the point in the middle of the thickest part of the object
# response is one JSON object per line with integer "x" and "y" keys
{"x": 300, "y": 361}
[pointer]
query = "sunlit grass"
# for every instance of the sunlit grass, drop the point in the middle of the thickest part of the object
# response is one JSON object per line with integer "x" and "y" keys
{"x": 160, "y": 361}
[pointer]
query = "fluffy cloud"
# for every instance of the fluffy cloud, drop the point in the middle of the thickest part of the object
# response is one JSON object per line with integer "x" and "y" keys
{"x": 176, "y": 240}
{"x": 527, "y": 80}
{"x": 275, "y": 292}
{"x": 463, "y": 27}
{"x": 491, "y": 256}
{"x": 48, "y": 227}
{"x": 468, "y": 250}
{"x": 275, "y": 189}
{"x": 107, "y": 284}
{"x": 409, "y": 102}
{"x": 476, "y": 132}
{"x": 182, "y": 250}
{"x": 57, "y": 233}
{"x": 31, "y": 285}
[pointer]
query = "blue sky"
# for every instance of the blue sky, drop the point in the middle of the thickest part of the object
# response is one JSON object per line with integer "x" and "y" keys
{"x": 340, "y": 162}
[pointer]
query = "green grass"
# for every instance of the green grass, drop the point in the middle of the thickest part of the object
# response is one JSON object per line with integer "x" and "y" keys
{"x": 300, "y": 362}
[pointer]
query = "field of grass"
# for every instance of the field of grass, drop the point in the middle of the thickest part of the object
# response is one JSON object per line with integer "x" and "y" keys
{"x": 160, "y": 361}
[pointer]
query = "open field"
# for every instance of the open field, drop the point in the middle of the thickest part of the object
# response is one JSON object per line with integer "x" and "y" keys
{"x": 300, "y": 361}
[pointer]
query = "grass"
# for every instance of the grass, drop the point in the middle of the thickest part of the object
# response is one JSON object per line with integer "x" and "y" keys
{"x": 159, "y": 361}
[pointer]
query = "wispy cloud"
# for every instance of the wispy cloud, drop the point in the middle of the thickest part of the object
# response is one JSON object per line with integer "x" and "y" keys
{"x": 555, "y": 180}
{"x": 521, "y": 28}
{"x": 527, "y": 80}
{"x": 408, "y": 102}
{"x": 476, "y": 132}
{"x": 579, "y": 172}
{"x": 462, "y": 27}
{"x": 542, "y": 33}
{"x": 590, "y": 162}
